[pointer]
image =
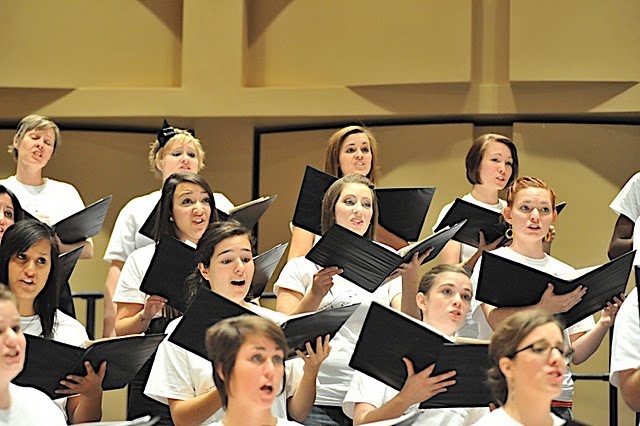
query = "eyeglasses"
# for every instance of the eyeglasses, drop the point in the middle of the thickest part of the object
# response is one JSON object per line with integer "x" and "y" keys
{"x": 542, "y": 347}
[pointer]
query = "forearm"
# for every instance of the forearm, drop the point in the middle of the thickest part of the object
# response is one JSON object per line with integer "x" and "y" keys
{"x": 299, "y": 405}
{"x": 194, "y": 411}
{"x": 83, "y": 409}
{"x": 393, "y": 408}
{"x": 87, "y": 252}
{"x": 108, "y": 329}
{"x": 132, "y": 325}
{"x": 630, "y": 389}
{"x": 588, "y": 343}
{"x": 619, "y": 246}
{"x": 309, "y": 303}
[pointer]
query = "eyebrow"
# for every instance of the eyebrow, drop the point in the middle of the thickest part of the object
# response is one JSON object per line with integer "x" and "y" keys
{"x": 231, "y": 250}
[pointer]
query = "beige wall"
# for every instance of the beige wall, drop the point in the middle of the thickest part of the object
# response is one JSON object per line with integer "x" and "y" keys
{"x": 224, "y": 67}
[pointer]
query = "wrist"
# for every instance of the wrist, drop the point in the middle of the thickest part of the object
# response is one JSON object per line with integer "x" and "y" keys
{"x": 143, "y": 318}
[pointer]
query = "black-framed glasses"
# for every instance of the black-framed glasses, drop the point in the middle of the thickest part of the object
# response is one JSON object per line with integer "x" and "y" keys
{"x": 543, "y": 347}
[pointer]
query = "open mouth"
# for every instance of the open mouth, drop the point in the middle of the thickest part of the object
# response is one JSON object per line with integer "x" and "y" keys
{"x": 198, "y": 221}
{"x": 27, "y": 281}
{"x": 267, "y": 389}
{"x": 238, "y": 283}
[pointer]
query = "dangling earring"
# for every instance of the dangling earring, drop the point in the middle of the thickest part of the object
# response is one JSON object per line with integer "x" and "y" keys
{"x": 551, "y": 234}
{"x": 508, "y": 234}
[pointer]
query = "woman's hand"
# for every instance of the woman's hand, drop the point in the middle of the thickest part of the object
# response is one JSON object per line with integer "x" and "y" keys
{"x": 89, "y": 386}
{"x": 313, "y": 359}
{"x": 611, "y": 310}
{"x": 421, "y": 386}
{"x": 410, "y": 271}
{"x": 323, "y": 280}
{"x": 555, "y": 304}
{"x": 152, "y": 306}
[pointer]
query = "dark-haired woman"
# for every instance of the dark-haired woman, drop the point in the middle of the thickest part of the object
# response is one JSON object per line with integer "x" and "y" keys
{"x": 29, "y": 259}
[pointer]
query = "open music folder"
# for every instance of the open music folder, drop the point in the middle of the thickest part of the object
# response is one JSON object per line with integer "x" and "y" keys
{"x": 388, "y": 335}
{"x": 81, "y": 225}
{"x": 208, "y": 308}
{"x": 402, "y": 210}
{"x": 47, "y": 361}
{"x": 479, "y": 219}
{"x": 366, "y": 263}
{"x": 264, "y": 266}
{"x": 172, "y": 262}
{"x": 505, "y": 283}
{"x": 247, "y": 214}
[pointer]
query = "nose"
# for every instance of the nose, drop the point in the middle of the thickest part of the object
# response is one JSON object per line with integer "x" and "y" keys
{"x": 556, "y": 358}
{"x": 357, "y": 208}
{"x": 535, "y": 214}
{"x": 457, "y": 300}
{"x": 12, "y": 337}
{"x": 29, "y": 268}
{"x": 359, "y": 153}
{"x": 239, "y": 266}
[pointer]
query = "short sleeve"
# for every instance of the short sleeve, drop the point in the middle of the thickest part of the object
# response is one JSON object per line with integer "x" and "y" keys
{"x": 627, "y": 202}
{"x": 625, "y": 350}
{"x": 128, "y": 287}
{"x": 293, "y": 278}
{"x": 363, "y": 389}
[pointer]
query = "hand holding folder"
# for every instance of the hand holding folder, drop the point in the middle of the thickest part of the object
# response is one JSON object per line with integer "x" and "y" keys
{"x": 388, "y": 335}
{"x": 366, "y": 263}
{"x": 47, "y": 361}
{"x": 208, "y": 308}
{"x": 505, "y": 283}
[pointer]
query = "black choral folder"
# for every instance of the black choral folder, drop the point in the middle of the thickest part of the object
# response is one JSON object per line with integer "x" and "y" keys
{"x": 637, "y": 270}
{"x": 83, "y": 224}
{"x": 66, "y": 263}
{"x": 247, "y": 214}
{"x": 402, "y": 210}
{"x": 478, "y": 219}
{"x": 366, "y": 263}
{"x": 48, "y": 361}
{"x": 264, "y": 265}
{"x": 172, "y": 262}
{"x": 505, "y": 283}
{"x": 208, "y": 308}
{"x": 388, "y": 335}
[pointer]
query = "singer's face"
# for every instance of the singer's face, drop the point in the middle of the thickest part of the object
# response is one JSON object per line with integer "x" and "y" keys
{"x": 354, "y": 208}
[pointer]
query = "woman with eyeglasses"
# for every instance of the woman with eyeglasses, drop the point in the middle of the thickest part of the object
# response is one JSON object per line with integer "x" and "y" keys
{"x": 529, "y": 356}
{"x": 530, "y": 212}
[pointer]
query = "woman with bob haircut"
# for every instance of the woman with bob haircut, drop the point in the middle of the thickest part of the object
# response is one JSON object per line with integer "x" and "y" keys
{"x": 34, "y": 144}
{"x": 529, "y": 356}
{"x": 19, "y": 405}
{"x": 187, "y": 207}
{"x": 444, "y": 298}
{"x": 305, "y": 287}
{"x": 247, "y": 353}
{"x": 174, "y": 150}
{"x": 29, "y": 259}
{"x": 491, "y": 166}
{"x": 530, "y": 212}
{"x": 183, "y": 380}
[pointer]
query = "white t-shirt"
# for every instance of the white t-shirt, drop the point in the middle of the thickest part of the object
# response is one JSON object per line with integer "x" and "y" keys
{"x": 625, "y": 350}
{"x": 371, "y": 391}
{"x": 50, "y": 202}
{"x": 125, "y": 237}
{"x": 335, "y": 374}
{"x": 627, "y": 202}
{"x": 547, "y": 264}
{"x": 133, "y": 271}
{"x": 30, "y": 407}
{"x": 65, "y": 330}
{"x": 501, "y": 418}
{"x": 280, "y": 422}
{"x": 466, "y": 250}
{"x": 180, "y": 374}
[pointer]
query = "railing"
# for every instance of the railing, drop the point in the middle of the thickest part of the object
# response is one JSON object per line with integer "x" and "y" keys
{"x": 90, "y": 297}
